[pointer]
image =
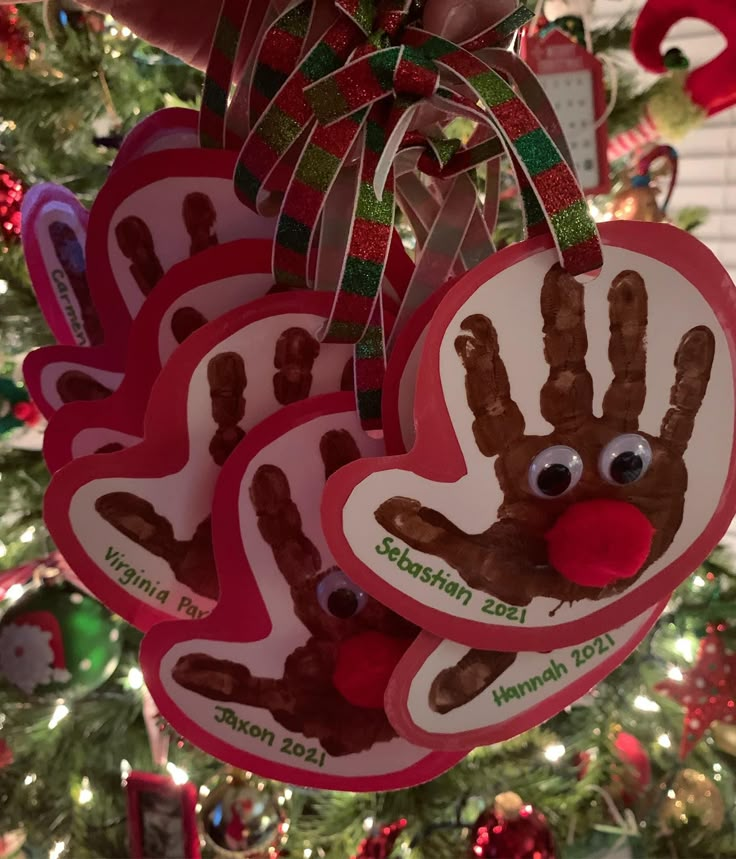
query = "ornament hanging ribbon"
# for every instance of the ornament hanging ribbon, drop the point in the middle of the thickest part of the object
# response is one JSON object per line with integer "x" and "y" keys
{"x": 352, "y": 99}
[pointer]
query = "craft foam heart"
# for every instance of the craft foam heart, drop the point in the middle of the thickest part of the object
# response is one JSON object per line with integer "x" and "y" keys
{"x": 54, "y": 236}
{"x": 193, "y": 292}
{"x": 152, "y": 213}
{"x": 498, "y": 460}
{"x": 445, "y": 696}
{"x": 136, "y": 525}
{"x": 256, "y": 682}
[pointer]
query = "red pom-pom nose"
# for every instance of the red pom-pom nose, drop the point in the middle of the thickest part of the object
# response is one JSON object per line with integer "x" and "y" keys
{"x": 595, "y": 543}
{"x": 364, "y": 666}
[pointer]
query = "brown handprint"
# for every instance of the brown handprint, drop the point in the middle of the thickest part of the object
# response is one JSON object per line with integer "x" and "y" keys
{"x": 227, "y": 381}
{"x": 199, "y": 219}
{"x": 136, "y": 243}
{"x": 71, "y": 256}
{"x": 305, "y": 699}
{"x": 296, "y": 352}
{"x": 552, "y": 481}
{"x": 185, "y": 322}
{"x": 191, "y": 561}
{"x": 76, "y": 386}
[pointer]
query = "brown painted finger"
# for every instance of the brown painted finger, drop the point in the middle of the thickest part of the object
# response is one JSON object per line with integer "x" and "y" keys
{"x": 227, "y": 380}
{"x": 223, "y": 444}
{"x": 280, "y": 525}
{"x": 296, "y": 352}
{"x": 498, "y": 420}
{"x": 196, "y": 566}
{"x": 566, "y": 399}
{"x": 138, "y": 520}
{"x": 338, "y": 448}
{"x": 75, "y": 386}
{"x": 185, "y": 322}
{"x": 223, "y": 680}
{"x": 628, "y": 310}
{"x": 113, "y": 447}
{"x": 136, "y": 243}
{"x": 693, "y": 365}
{"x": 199, "y": 216}
{"x": 462, "y": 683}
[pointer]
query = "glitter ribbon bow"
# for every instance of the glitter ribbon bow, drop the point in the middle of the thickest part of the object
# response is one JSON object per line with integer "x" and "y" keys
{"x": 342, "y": 114}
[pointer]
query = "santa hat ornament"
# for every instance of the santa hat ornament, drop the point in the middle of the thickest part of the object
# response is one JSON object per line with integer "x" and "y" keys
{"x": 56, "y": 642}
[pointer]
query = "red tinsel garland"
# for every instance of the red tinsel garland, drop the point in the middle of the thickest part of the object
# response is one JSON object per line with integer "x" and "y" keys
{"x": 11, "y": 197}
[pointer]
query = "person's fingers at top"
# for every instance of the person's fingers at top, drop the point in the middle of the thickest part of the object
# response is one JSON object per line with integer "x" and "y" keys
{"x": 185, "y": 28}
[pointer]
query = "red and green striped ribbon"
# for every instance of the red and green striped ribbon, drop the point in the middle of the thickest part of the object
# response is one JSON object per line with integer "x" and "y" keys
{"x": 320, "y": 163}
{"x": 370, "y": 369}
{"x": 278, "y": 56}
{"x": 219, "y": 77}
{"x": 556, "y": 188}
{"x": 500, "y": 34}
{"x": 369, "y": 243}
{"x": 290, "y": 114}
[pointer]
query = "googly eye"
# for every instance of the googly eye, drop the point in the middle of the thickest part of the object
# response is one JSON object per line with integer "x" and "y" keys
{"x": 625, "y": 460}
{"x": 555, "y": 471}
{"x": 339, "y": 596}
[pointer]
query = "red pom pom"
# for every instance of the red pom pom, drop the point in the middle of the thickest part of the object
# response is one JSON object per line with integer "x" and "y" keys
{"x": 595, "y": 543}
{"x": 364, "y": 666}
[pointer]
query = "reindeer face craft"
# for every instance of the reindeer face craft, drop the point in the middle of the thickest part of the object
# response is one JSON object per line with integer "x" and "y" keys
{"x": 137, "y": 524}
{"x": 575, "y": 448}
{"x": 287, "y": 676}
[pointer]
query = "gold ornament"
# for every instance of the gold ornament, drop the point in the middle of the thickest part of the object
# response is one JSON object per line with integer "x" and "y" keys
{"x": 638, "y": 203}
{"x": 693, "y": 795}
{"x": 724, "y": 736}
{"x": 243, "y": 816}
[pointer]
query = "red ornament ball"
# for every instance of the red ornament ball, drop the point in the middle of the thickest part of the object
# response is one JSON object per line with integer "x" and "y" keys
{"x": 14, "y": 43}
{"x": 381, "y": 842}
{"x": 595, "y": 543}
{"x": 512, "y": 830}
{"x": 11, "y": 197}
{"x": 635, "y": 772}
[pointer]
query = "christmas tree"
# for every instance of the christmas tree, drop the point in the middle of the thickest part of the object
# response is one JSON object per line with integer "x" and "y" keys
{"x": 643, "y": 765}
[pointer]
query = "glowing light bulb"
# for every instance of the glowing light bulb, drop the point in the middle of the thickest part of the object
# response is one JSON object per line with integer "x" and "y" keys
{"x": 685, "y": 648}
{"x": 674, "y": 673}
{"x": 178, "y": 775}
{"x": 3, "y": 287}
{"x": 56, "y": 851}
{"x": 641, "y": 702}
{"x": 85, "y": 793}
{"x": 15, "y": 592}
{"x": 664, "y": 741}
{"x": 61, "y": 712}
{"x": 29, "y": 779}
{"x": 555, "y": 752}
{"x": 135, "y": 678}
{"x": 698, "y": 582}
{"x": 307, "y": 853}
{"x": 26, "y": 537}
